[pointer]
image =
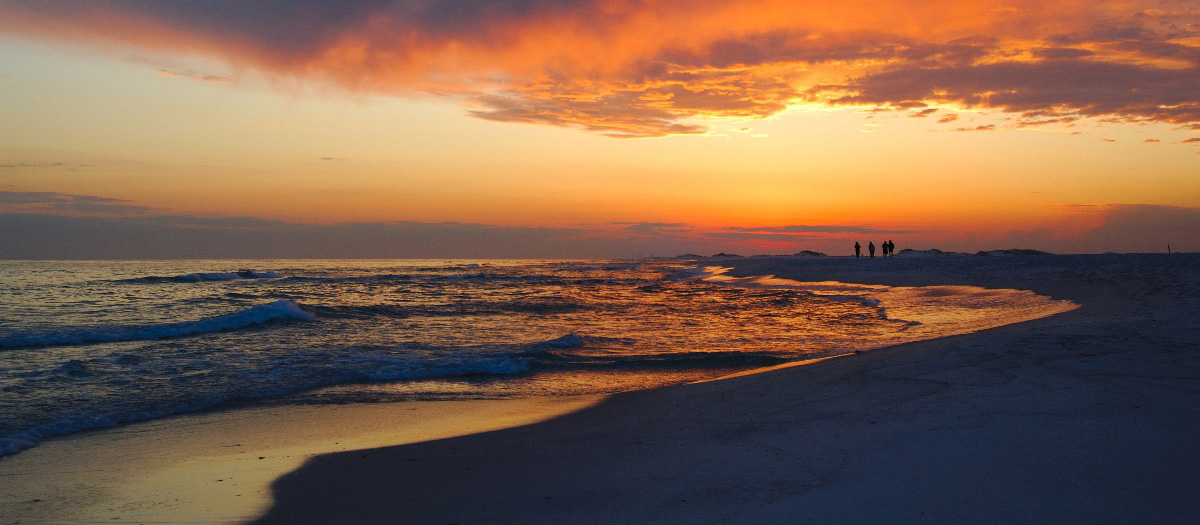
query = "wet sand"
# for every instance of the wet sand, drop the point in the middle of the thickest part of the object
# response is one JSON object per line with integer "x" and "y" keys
{"x": 217, "y": 467}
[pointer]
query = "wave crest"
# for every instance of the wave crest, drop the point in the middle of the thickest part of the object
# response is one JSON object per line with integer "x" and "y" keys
{"x": 255, "y": 315}
{"x": 204, "y": 276}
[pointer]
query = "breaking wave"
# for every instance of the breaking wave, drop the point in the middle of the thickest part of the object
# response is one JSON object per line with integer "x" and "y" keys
{"x": 202, "y": 277}
{"x": 255, "y": 315}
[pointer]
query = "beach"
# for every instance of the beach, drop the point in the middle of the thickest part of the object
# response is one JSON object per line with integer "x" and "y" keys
{"x": 1087, "y": 416}
{"x": 599, "y": 262}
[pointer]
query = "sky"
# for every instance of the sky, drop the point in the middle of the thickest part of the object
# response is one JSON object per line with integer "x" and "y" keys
{"x": 595, "y": 128}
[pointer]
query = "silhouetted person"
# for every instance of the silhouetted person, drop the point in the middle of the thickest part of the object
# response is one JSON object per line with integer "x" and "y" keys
{"x": 891, "y": 248}
{"x": 857, "y": 249}
{"x": 871, "y": 249}
{"x": 887, "y": 248}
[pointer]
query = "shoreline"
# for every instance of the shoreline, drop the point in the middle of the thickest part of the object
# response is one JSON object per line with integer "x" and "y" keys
{"x": 770, "y": 443}
{"x": 217, "y": 466}
{"x": 1090, "y": 416}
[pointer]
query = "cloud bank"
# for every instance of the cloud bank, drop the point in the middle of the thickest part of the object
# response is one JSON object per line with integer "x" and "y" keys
{"x": 43, "y": 225}
{"x": 642, "y": 68}
{"x": 61, "y": 203}
{"x": 47, "y": 225}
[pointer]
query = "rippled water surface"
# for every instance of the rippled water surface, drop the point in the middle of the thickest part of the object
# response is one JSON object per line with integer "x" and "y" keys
{"x": 89, "y": 344}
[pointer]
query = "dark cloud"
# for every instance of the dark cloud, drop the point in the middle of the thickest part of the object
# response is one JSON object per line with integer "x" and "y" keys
{"x": 58, "y": 236}
{"x": 41, "y": 236}
{"x": 1131, "y": 228}
{"x": 1160, "y": 49}
{"x": 280, "y": 28}
{"x": 62, "y": 235}
{"x": 1045, "y": 87}
{"x": 51, "y": 202}
{"x": 49, "y": 225}
{"x": 1052, "y": 53}
{"x": 1147, "y": 228}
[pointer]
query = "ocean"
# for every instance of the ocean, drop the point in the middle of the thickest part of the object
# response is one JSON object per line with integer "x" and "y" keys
{"x": 94, "y": 344}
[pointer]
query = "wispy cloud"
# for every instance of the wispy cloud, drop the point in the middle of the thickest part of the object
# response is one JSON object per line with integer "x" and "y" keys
{"x": 33, "y": 165}
{"x": 805, "y": 229}
{"x": 655, "y": 228}
{"x": 643, "y": 69}
{"x": 988, "y": 127}
{"x": 62, "y": 203}
{"x": 41, "y": 165}
{"x": 192, "y": 75}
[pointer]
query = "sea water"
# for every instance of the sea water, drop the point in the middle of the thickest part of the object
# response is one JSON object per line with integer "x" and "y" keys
{"x": 101, "y": 343}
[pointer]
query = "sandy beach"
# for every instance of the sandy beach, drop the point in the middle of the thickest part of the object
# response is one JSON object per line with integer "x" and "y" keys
{"x": 1091, "y": 416}
{"x": 599, "y": 262}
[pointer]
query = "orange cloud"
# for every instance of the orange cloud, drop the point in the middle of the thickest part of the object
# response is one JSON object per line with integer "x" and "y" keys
{"x": 635, "y": 68}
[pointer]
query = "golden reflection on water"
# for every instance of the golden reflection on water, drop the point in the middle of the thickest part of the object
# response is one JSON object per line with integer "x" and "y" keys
{"x": 553, "y": 383}
{"x": 927, "y": 311}
{"x": 390, "y": 330}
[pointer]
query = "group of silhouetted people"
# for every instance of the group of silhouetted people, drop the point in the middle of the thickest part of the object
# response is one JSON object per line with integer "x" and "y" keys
{"x": 889, "y": 249}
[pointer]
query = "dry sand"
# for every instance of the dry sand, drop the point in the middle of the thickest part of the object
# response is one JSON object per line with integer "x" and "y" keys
{"x": 1092, "y": 416}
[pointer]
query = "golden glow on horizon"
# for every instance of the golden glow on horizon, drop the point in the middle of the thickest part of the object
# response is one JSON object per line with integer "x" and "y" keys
{"x": 962, "y": 118}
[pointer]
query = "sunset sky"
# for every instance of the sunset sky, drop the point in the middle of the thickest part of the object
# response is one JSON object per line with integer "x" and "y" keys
{"x": 595, "y": 128}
